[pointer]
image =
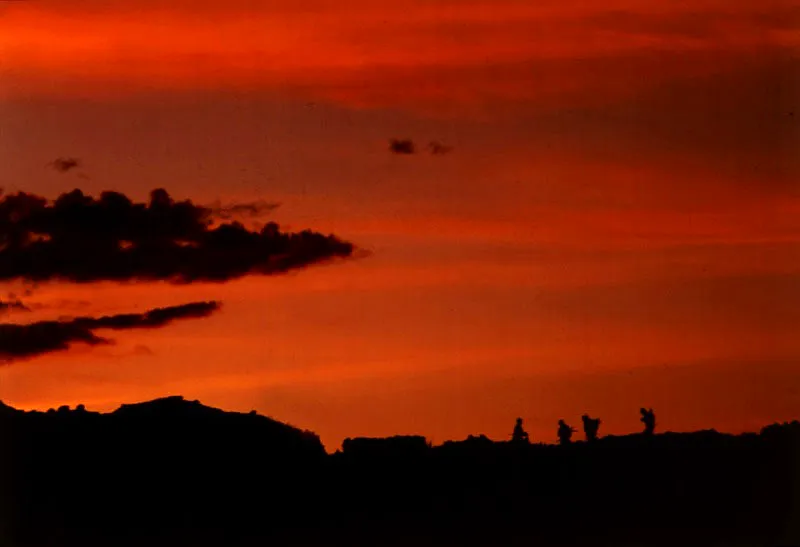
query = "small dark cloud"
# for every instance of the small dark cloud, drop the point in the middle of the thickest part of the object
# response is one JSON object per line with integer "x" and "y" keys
{"x": 141, "y": 349}
{"x": 402, "y": 146}
{"x": 64, "y": 165}
{"x": 408, "y": 147}
{"x": 438, "y": 149}
{"x": 25, "y": 341}
{"x": 246, "y": 210}
{"x": 80, "y": 238}
{"x": 13, "y": 304}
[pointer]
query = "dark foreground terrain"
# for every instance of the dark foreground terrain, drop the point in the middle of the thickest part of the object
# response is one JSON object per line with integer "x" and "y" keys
{"x": 173, "y": 472}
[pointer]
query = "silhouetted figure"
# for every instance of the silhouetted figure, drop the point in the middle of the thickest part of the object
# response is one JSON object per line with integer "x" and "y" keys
{"x": 590, "y": 427}
{"x": 564, "y": 432}
{"x": 519, "y": 435}
{"x": 649, "y": 420}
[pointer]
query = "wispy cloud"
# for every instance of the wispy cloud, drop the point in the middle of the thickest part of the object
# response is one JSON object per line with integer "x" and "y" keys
{"x": 64, "y": 165}
{"x": 242, "y": 210}
{"x": 467, "y": 50}
{"x": 13, "y": 304}
{"x": 30, "y": 340}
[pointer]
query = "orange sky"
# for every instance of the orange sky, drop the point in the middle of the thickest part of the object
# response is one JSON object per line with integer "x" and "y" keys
{"x": 616, "y": 226}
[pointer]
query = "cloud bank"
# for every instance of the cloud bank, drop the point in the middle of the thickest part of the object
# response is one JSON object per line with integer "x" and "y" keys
{"x": 568, "y": 52}
{"x": 80, "y": 238}
{"x": 25, "y": 341}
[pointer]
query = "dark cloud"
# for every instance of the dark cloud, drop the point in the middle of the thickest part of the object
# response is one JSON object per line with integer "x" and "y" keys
{"x": 64, "y": 165}
{"x": 81, "y": 238}
{"x": 402, "y": 146}
{"x": 13, "y": 304}
{"x": 155, "y": 318}
{"x": 408, "y": 147}
{"x": 250, "y": 209}
{"x": 24, "y": 341}
{"x": 438, "y": 149}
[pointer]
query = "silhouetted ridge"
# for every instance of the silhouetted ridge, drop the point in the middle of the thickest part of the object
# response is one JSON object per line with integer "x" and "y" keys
{"x": 174, "y": 472}
{"x": 249, "y": 430}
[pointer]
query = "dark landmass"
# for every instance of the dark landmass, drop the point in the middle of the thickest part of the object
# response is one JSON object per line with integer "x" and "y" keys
{"x": 172, "y": 472}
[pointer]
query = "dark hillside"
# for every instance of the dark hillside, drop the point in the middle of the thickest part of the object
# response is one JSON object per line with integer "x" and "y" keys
{"x": 173, "y": 472}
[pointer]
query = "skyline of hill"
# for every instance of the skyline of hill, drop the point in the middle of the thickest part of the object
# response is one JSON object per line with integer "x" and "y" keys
{"x": 178, "y": 405}
{"x": 174, "y": 472}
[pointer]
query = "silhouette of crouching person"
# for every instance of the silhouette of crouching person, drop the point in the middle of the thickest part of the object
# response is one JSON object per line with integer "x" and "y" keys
{"x": 519, "y": 436}
{"x": 649, "y": 420}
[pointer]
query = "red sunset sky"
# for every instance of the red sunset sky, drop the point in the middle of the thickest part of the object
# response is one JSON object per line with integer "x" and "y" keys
{"x": 617, "y": 224}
